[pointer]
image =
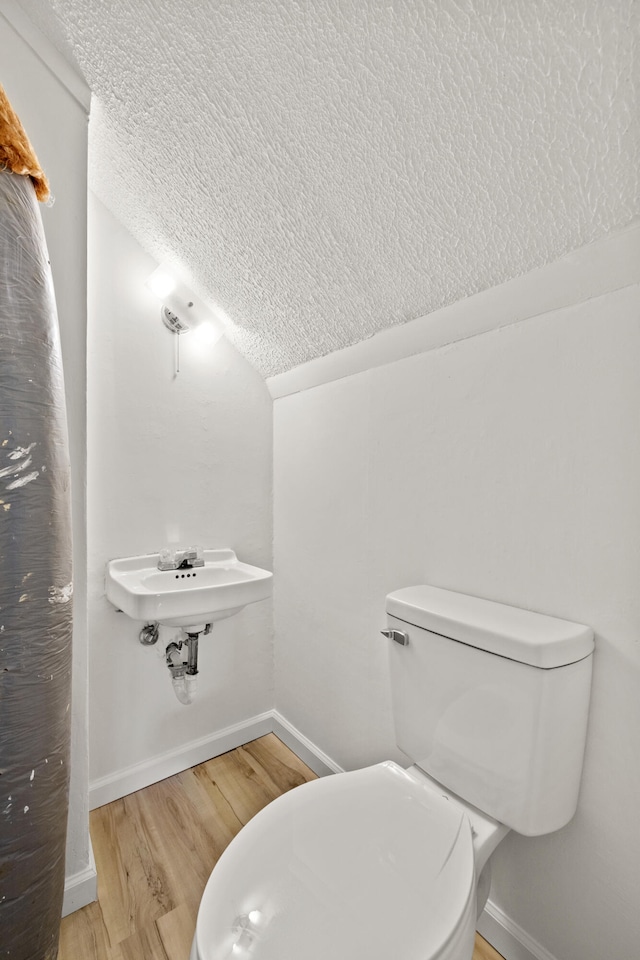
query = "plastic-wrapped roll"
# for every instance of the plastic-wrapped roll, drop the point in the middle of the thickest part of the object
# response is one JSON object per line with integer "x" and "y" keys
{"x": 35, "y": 586}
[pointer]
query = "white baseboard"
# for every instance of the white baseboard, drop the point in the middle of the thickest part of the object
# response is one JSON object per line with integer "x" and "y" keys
{"x": 80, "y": 888}
{"x": 123, "y": 782}
{"x": 128, "y": 780}
{"x": 303, "y": 748}
{"x": 508, "y": 938}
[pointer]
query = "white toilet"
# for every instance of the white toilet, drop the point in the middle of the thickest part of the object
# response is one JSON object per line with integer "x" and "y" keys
{"x": 491, "y": 704}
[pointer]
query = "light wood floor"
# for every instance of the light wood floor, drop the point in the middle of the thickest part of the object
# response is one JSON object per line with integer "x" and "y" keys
{"x": 155, "y": 850}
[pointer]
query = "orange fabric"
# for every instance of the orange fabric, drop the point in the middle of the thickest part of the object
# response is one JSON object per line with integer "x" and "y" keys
{"x": 16, "y": 153}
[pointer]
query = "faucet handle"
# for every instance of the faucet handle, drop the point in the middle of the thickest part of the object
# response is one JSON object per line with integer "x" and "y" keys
{"x": 195, "y": 556}
{"x": 170, "y": 558}
{"x": 166, "y": 559}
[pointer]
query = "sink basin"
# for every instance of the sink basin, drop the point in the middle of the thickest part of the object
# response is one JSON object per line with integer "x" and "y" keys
{"x": 185, "y": 598}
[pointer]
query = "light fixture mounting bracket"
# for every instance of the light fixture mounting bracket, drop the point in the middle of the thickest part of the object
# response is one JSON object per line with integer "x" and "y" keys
{"x": 172, "y": 321}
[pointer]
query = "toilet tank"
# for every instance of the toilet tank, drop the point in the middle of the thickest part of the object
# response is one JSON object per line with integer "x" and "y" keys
{"x": 492, "y": 702}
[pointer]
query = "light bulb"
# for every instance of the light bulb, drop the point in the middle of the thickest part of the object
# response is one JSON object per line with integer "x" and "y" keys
{"x": 207, "y": 333}
{"x": 161, "y": 283}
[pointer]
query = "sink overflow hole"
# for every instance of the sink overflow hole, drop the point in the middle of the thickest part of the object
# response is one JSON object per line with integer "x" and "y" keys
{"x": 181, "y": 576}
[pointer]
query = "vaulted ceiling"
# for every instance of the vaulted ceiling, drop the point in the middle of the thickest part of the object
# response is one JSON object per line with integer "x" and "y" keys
{"x": 328, "y": 168}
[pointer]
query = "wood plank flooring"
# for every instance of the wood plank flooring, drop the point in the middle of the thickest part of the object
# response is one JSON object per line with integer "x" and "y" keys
{"x": 155, "y": 850}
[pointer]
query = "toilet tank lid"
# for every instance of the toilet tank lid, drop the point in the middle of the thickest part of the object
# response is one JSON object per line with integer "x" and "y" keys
{"x": 522, "y": 635}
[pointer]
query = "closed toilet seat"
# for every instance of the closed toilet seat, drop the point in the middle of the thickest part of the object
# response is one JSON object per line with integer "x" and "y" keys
{"x": 371, "y": 864}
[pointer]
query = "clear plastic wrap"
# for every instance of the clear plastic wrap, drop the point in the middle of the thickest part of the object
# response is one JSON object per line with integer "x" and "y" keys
{"x": 35, "y": 586}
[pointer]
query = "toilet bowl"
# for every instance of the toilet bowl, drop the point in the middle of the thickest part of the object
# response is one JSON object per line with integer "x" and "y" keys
{"x": 375, "y": 864}
{"x": 490, "y": 703}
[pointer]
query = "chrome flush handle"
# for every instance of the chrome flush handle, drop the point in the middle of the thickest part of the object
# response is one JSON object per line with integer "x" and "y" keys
{"x": 397, "y": 635}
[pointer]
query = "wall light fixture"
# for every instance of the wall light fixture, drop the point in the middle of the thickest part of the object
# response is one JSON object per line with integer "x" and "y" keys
{"x": 181, "y": 310}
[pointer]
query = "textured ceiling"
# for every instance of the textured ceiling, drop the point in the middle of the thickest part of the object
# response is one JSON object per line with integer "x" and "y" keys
{"x": 328, "y": 168}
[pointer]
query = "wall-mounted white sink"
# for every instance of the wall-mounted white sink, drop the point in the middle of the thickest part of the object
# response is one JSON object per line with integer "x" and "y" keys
{"x": 185, "y": 598}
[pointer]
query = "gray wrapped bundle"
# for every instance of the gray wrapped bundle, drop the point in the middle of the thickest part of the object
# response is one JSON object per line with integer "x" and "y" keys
{"x": 35, "y": 586}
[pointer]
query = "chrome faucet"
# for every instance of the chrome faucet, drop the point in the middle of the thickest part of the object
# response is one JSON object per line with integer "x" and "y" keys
{"x": 183, "y": 559}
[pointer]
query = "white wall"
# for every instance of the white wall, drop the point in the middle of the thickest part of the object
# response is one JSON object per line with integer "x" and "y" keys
{"x": 505, "y": 466}
{"x": 184, "y": 459}
{"x": 52, "y": 104}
